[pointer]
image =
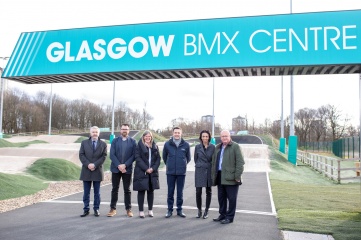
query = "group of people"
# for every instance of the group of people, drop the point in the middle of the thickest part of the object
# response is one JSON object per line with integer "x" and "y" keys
{"x": 220, "y": 166}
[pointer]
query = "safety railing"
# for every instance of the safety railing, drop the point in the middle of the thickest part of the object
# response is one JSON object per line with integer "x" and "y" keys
{"x": 333, "y": 168}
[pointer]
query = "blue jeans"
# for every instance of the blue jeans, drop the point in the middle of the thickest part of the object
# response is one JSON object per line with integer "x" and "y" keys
{"x": 86, "y": 197}
{"x": 172, "y": 180}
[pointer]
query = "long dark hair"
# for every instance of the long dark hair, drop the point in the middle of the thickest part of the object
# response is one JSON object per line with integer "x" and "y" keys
{"x": 209, "y": 135}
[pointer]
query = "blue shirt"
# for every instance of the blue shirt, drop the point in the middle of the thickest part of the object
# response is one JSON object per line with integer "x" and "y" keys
{"x": 221, "y": 159}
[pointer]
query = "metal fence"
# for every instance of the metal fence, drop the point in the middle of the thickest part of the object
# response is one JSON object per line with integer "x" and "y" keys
{"x": 347, "y": 147}
{"x": 316, "y": 146}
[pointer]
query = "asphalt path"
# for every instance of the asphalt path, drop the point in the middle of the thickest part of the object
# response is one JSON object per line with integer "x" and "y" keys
{"x": 59, "y": 218}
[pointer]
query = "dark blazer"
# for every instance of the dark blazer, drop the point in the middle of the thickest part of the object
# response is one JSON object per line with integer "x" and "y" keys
{"x": 116, "y": 154}
{"x": 87, "y": 156}
{"x": 176, "y": 158}
{"x": 141, "y": 178}
{"x": 203, "y": 161}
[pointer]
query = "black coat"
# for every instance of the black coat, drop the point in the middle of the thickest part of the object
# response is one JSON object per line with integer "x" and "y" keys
{"x": 87, "y": 156}
{"x": 203, "y": 161}
{"x": 141, "y": 178}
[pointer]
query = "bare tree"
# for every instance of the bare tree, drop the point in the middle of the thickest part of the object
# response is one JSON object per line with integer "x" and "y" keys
{"x": 336, "y": 122}
{"x": 303, "y": 120}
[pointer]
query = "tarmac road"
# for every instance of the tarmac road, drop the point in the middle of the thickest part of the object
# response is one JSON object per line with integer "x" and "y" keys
{"x": 59, "y": 219}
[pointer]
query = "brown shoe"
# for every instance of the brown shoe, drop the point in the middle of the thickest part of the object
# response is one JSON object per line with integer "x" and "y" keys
{"x": 129, "y": 213}
{"x": 112, "y": 212}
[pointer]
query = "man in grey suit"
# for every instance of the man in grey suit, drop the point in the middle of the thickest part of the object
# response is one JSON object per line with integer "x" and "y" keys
{"x": 92, "y": 154}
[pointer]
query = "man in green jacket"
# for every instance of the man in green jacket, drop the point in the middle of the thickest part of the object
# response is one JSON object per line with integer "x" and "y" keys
{"x": 227, "y": 168}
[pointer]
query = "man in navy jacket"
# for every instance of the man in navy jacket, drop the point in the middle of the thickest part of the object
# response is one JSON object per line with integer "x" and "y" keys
{"x": 122, "y": 155}
{"x": 176, "y": 156}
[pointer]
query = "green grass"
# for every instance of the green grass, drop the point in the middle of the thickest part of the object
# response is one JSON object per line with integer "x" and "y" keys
{"x": 107, "y": 162}
{"x": 12, "y": 185}
{"x": 4, "y": 143}
{"x": 306, "y": 201}
{"x": 80, "y": 139}
{"x": 53, "y": 169}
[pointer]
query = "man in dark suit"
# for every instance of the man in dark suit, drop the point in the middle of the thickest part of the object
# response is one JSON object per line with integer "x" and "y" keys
{"x": 122, "y": 155}
{"x": 92, "y": 154}
{"x": 227, "y": 168}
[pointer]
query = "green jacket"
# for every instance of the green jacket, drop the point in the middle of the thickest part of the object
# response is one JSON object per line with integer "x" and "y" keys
{"x": 232, "y": 164}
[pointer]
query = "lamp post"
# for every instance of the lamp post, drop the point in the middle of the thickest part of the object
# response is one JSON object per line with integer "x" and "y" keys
{"x": 2, "y": 97}
{"x": 50, "y": 107}
{"x": 112, "y": 134}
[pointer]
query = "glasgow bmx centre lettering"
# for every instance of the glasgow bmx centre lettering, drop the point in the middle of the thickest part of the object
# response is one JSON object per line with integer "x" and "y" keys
{"x": 259, "y": 41}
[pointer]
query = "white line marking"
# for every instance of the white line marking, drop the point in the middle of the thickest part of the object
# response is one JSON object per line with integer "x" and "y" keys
{"x": 271, "y": 196}
{"x": 163, "y": 207}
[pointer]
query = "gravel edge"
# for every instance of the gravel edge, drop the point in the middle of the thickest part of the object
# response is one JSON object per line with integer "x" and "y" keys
{"x": 54, "y": 190}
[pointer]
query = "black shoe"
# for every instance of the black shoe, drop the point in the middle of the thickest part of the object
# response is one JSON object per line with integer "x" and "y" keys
{"x": 226, "y": 221}
{"x": 85, "y": 213}
{"x": 219, "y": 218}
{"x": 169, "y": 214}
{"x": 205, "y": 216}
{"x": 181, "y": 214}
{"x": 199, "y": 213}
{"x": 96, "y": 213}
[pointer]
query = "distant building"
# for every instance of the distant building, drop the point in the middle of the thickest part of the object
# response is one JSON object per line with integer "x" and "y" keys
{"x": 207, "y": 118}
{"x": 238, "y": 123}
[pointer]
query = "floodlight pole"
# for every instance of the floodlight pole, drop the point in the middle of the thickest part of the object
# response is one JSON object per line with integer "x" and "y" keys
{"x": 2, "y": 98}
{"x": 359, "y": 133}
{"x": 292, "y": 140}
{"x": 213, "y": 140}
{"x": 282, "y": 147}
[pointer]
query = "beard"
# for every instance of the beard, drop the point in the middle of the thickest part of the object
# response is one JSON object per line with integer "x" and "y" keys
{"x": 124, "y": 134}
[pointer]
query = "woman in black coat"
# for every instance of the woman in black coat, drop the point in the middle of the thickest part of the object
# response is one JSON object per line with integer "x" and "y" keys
{"x": 146, "y": 177}
{"x": 203, "y": 159}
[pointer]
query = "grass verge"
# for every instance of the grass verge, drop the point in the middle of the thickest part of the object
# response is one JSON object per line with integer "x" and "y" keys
{"x": 80, "y": 139}
{"x": 53, "y": 169}
{"x": 4, "y": 143}
{"x": 13, "y": 185}
{"x": 308, "y": 202}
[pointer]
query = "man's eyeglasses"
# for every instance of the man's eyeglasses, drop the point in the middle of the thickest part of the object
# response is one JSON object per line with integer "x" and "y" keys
{"x": 123, "y": 129}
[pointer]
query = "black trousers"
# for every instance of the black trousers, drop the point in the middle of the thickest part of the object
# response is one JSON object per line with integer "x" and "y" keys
{"x": 115, "y": 189}
{"x": 227, "y": 195}
{"x": 150, "y": 197}
{"x": 199, "y": 197}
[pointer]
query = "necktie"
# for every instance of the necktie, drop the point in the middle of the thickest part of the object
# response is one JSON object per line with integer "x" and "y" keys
{"x": 93, "y": 146}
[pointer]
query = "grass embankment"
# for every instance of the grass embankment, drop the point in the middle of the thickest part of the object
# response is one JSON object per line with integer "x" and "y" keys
{"x": 4, "y": 143}
{"x": 80, "y": 139}
{"x": 53, "y": 169}
{"x": 308, "y": 202}
{"x": 13, "y": 185}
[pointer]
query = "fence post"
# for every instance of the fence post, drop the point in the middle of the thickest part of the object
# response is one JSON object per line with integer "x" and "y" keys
{"x": 353, "y": 147}
{"x": 338, "y": 170}
{"x": 348, "y": 148}
{"x": 332, "y": 168}
{"x": 326, "y": 166}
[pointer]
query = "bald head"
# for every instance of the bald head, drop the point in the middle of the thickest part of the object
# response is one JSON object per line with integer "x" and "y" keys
{"x": 225, "y": 137}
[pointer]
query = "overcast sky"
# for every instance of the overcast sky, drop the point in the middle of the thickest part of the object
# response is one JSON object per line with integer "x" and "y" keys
{"x": 258, "y": 97}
